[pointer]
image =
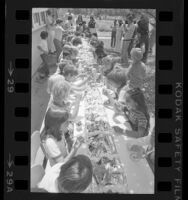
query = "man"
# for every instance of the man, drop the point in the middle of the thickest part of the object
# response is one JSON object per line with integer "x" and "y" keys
{"x": 143, "y": 35}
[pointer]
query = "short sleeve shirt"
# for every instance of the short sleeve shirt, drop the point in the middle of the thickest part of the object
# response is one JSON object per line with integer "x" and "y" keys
{"x": 52, "y": 148}
{"x": 49, "y": 180}
{"x": 44, "y": 45}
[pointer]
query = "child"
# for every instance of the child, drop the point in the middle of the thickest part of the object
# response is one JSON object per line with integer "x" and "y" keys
{"x": 69, "y": 53}
{"x": 137, "y": 113}
{"x": 79, "y": 28}
{"x": 99, "y": 51}
{"x": 43, "y": 48}
{"x": 136, "y": 73}
{"x": 108, "y": 64}
{"x": 71, "y": 74}
{"x": 76, "y": 41}
{"x": 53, "y": 79}
{"x": 74, "y": 175}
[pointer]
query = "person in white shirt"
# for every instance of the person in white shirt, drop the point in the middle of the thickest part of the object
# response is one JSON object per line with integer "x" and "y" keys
{"x": 43, "y": 45}
{"x": 71, "y": 176}
{"x": 43, "y": 48}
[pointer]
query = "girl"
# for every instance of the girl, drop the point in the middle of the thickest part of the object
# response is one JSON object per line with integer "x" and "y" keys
{"x": 58, "y": 36}
{"x": 119, "y": 35}
{"x": 137, "y": 113}
{"x": 128, "y": 36}
{"x": 113, "y": 35}
{"x": 53, "y": 138}
{"x": 92, "y": 25}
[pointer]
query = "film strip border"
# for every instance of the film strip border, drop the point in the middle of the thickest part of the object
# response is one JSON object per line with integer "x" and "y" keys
{"x": 18, "y": 88}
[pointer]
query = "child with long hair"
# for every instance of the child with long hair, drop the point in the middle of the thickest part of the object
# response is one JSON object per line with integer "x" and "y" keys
{"x": 115, "y": 80}
{"x": 137, "y": 113}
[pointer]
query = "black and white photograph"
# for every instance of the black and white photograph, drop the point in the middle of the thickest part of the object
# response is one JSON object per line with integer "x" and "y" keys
{"x": 93, "y": 100}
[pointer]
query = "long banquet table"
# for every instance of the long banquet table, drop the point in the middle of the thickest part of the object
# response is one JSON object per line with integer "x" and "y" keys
{"x": 140, "y": 178}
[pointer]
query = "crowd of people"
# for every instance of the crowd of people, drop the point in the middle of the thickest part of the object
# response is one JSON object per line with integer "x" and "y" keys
{"x": 125, "y": 35}
{"x": 70, "y": 172}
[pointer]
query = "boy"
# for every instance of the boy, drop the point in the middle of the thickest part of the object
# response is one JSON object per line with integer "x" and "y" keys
{"x": 43, "y": 48}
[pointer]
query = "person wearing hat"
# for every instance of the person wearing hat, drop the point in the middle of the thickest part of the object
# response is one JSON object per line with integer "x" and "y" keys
{"x": 58, "y": 36}
{"x": 135, "y": 74}
{"x": 129, "y": 30}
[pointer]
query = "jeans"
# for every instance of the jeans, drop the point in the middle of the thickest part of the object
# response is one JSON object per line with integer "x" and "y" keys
{"x": 144, "y": 40}
{"x": 113, "y": 39}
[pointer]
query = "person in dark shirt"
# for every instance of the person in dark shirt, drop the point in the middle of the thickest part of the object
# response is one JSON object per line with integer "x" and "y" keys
{"x": 143, "y": 35}
{"x": 92, "y": 25}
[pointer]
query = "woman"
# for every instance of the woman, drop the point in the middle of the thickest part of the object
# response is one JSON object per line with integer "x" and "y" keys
{"x": 92, "y": 25}
{"x": 113, "y": 35}
{"x": 119, "y": 35}
{"x": 58, "y": 37}
{"x": 50, "y": 30}
{"x": 128, "y": 37}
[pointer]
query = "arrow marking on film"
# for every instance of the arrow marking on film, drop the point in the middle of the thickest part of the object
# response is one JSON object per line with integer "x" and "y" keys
{"x": 10, "y": 162}
{"x": 10, "y": 69}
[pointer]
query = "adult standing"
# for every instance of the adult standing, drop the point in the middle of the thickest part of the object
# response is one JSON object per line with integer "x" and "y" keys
{"x": 58, "y": 36}
{"x": 143, "y": 36}
{"x": 92, "y": 25}
{"x": 119, "y": 35}
{"x": 50, "y": 30}
{"x": 152, "y": 37}
{"x": 113, "y": 35}
{"x": 129, "y": 30}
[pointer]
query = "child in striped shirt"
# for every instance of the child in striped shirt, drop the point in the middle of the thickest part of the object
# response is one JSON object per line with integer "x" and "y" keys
{"x": 137, "y": 114}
